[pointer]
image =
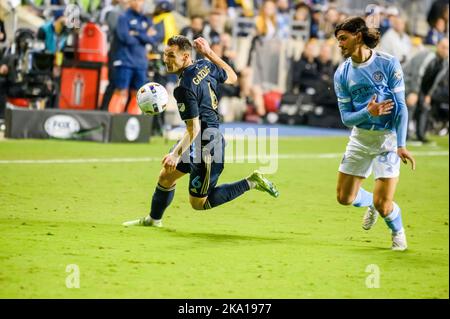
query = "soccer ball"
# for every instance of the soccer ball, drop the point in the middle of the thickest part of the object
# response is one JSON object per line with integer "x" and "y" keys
{"x": 152, "y": 98}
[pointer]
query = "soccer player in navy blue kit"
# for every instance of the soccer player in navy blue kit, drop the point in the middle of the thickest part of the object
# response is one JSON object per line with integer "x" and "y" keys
{"x": 200, "y": 152}
{"x": 371, "y": 96}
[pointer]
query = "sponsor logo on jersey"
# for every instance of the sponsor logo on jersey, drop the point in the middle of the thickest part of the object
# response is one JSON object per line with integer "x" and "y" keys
{"x": 398, "y": 74}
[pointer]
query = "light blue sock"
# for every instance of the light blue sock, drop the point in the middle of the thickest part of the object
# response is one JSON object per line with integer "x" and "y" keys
{"x": 363, "y": 198}
{"x": 394, "y": 219}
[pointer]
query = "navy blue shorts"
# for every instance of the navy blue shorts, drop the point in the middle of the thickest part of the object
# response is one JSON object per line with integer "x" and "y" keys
{"x": 129, "y": 78}
{"x": 204, "y": 174}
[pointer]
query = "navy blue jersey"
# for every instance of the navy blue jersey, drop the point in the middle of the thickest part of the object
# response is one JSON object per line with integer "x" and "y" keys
{"x": 131, "y": 39}
{"x": 197, "y": 93}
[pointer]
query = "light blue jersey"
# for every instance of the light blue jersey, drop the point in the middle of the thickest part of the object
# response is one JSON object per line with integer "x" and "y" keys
{"x": 355, "y": 84}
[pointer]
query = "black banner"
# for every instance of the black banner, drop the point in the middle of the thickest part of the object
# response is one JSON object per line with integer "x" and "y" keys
{"x": 77, "y": 125}
{"x": 126, "y": 128}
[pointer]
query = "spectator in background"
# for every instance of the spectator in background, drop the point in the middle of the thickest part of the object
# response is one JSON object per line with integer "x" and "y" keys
{"x": 54, "y": 35}
{"x": 302, "y": 12}
{"x": 302, "y": 19}
{"x": 247, "y": 7}
{"x": 331, "y": 19}
{"x": 434, "y": 72}
{"x": 267, "y": 28}
{"x": 134, "y": 31}
{"x": 375, "y": 18}
{"x": 222, "y": 50}
{"x": 164, "y": 14}
{"x": 268, "y": 23}
{"x": 387, "y": 17}
{"x": 216, "y": 25}
{"x": 198, "y": 8}
{"x": 342, "y": 16}
{"x": 2, "y": 31}
{"x": 111, "y": 18}
{"x": 198, "y": 29}
{"x": 413, "y": 72}
{"x": 195, "y": 29}
{"x": 439, "y": 9}
{"x": 284, "y": 17}
{"x": 440, "y": 102}
{"x": 325, "y": 94}
{"x": 53, "y": 32}
{"x": 220, "y": 5}
{"x": 436, "y": 32}
{"x": 164, "y": 19}
{"x": 244, "y": 88}
{"x": 316, "y": 18}
{"x": 396, "y": 41}
{"x": 2, "y": 36}
{"x": 305, "y": 74}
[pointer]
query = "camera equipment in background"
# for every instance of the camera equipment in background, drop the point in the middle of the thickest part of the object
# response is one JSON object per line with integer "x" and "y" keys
{"x": 31, "y": 74}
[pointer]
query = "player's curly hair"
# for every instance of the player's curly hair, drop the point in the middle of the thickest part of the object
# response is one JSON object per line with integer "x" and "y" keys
{"x": 370, "y": 36}
{"x": 181, "y": 41}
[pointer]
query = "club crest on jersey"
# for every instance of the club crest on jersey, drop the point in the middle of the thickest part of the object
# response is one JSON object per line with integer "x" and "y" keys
{"x": 378, "y": 76}
{"x": 181, "y": 107}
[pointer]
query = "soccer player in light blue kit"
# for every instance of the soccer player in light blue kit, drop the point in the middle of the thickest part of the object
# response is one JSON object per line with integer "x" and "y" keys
{"x": 371, "y": 96}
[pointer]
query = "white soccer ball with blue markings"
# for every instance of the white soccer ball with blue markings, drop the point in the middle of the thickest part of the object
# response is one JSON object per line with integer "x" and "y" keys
{"x": 152, "y": 98}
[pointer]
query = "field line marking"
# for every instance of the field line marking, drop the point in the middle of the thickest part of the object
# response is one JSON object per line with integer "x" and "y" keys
{"x": 227, "y": 158}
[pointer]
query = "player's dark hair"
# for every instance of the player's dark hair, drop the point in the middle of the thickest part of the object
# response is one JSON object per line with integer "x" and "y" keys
{"x": 181, "y": 41}
{"x": 370, "y": 36}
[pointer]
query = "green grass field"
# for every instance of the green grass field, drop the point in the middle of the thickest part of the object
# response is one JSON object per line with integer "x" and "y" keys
{"x": 301, "y": 245}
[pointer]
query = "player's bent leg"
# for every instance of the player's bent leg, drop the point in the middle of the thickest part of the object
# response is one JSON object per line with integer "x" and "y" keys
{"x": 198, "y": 203}
{"x": 162, "y": 198}
{"x": 163, "y": 194}
{"x": 227, "y": 192}
{"x": 349, "y": 191}
{"x": 348, "y": 187}
{"x": 219, "y": 195}
{"x": 383, "y": 195}
{"x": 168, "y": 179}
{"x": 391, "y": 212}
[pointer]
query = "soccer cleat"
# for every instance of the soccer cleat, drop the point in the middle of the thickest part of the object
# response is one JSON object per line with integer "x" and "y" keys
{"x": 370, "y": 218}
{"x": 263, "y": 184}
{"x": 144, "y": 221}
{"x": 399, "y": 241}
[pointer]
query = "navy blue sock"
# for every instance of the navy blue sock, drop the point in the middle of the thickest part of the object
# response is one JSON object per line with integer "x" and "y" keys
{"x": 162, "y": 197}
{"x": 225, "y": 193}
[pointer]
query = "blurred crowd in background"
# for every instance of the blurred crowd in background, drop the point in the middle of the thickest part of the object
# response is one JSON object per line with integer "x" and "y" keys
{"x": 283, "y": 51}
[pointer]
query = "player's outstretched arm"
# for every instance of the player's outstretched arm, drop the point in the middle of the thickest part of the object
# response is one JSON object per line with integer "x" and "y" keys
{"x": 202, "y": 46}
{"x": 171, "y": 160}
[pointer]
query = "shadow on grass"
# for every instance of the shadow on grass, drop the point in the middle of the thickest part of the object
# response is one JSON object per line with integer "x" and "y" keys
{"x": 217, "y": 237}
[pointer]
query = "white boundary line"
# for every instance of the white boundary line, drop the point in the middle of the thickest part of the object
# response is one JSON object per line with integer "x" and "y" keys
{"x": 228, "y": 158}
